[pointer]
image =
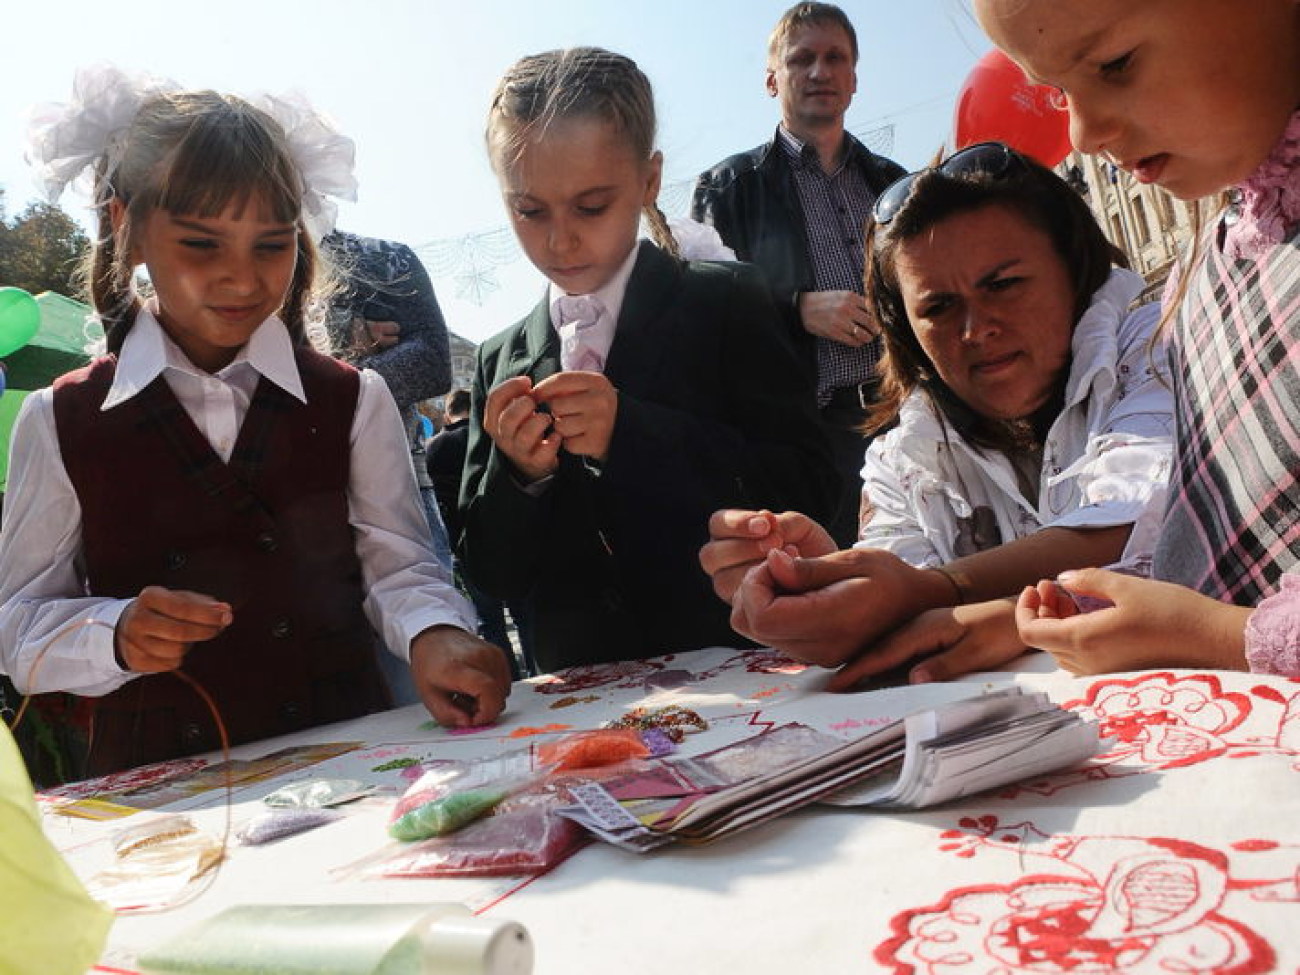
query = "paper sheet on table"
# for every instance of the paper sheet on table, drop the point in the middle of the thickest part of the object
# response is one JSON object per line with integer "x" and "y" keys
{"x": 927, "y": 758}
{"x": 974, "y": 745}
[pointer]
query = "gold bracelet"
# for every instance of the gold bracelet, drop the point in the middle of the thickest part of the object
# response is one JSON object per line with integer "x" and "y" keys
{"x": 956, "y": 585}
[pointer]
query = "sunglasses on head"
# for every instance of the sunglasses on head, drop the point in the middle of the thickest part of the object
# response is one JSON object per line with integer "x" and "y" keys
{"x": 992, "y": 158}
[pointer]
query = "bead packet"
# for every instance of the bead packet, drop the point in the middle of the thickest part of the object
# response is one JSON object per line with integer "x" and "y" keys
{"x": 521, "y": 836}
{"x": 603, "y": 747}
{"x": 317, "y": 793}
{"x": 452, "y": 794}
{"x": 275, "y": 824}
{"x": 156, "y": 863}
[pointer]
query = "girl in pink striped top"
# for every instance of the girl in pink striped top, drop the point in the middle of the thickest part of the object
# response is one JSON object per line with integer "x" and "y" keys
{"x": 1201, "y": 97}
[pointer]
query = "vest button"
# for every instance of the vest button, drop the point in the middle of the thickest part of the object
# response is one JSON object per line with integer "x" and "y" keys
{"x": 175, "y": 560}
{"x": 281, "y": 629}
{"x": 266, "y": 542}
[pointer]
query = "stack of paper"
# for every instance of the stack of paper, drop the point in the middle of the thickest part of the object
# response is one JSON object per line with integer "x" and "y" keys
{"x": 927, "y": 758}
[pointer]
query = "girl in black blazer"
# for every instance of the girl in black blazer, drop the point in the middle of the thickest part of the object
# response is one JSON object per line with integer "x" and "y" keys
{"x": 587, "y": 491}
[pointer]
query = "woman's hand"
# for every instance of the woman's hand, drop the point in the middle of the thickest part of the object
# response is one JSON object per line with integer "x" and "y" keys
{"x": 1150, "y": 624}
{"x": 740, "y": 540}
{"x": 954, "y": 640}
{"x": 825, "y": 610}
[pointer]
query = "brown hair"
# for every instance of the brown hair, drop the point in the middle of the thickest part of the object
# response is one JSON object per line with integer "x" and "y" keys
{"x": 803, "y": 15}
{"x": 580, "y": 82}
{"x": 194, "y": 153}
{"x": 458, "y": 402}
{"x": 1038, "y": 196}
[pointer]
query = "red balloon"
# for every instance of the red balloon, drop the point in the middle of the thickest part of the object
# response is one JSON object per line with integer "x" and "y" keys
{"x": 998, "y": 104}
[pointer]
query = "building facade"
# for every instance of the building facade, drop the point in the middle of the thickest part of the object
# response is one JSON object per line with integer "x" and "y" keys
{"x": 462, "y": 361}
{"x": 1148, "y": 224}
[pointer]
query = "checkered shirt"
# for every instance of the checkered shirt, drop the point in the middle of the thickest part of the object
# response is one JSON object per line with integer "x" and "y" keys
{"x": 1233, "y": 524}
{"x": 835, "y": 209}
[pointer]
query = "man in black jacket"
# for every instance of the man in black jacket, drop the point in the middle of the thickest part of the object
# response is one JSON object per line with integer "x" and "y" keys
{"x": 796, "y": 207}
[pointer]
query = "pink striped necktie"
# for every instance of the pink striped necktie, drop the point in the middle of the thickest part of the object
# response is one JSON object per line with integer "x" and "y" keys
{"x": 578, "y": 314}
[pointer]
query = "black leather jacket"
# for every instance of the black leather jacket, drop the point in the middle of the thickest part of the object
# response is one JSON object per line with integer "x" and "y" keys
{"x": 751, "y": 199}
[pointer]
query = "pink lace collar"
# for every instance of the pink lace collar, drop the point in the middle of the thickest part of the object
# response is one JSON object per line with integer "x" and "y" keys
{"x": 1269, "y": 200}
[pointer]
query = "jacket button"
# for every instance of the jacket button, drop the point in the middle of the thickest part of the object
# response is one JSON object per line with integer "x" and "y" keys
{"x": 175, "y": 560}
{"x": 192, "y": 734}
{"x": 266, "y": 542}
{"x": 290, "y": 712}
{"x": 281, "y": 629}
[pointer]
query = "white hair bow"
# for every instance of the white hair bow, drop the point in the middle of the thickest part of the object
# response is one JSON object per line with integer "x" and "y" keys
{"x": 325, "y": 158}
{"x": 65, "y": 139}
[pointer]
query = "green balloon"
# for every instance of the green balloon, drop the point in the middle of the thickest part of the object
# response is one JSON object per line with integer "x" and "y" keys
{"x": 20, "y": 319}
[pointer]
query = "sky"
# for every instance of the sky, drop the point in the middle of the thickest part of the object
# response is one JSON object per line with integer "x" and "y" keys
{"x": 410, "y": 82}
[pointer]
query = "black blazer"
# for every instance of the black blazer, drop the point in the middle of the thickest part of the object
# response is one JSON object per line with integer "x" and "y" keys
{"x": 713, "y": 411}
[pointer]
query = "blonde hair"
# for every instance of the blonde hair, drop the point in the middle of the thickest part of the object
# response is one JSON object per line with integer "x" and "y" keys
{"x": 803, "y": 15}
{"x": 1205, "y": 215}
{"x": 194, "y": 153}
{"x": 579, "y": 82}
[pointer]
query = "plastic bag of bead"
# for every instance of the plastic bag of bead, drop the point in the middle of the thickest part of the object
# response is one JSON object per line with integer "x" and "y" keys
{"x": 602, "y": 747}
{"x": 156, "y": 865}
{"x": 155, "y": 832}
{"x": 275, "y": 824}
{"x": 522, "y": 836}
{"x": 317, "y": 793}
{"x": 452, "y": 794}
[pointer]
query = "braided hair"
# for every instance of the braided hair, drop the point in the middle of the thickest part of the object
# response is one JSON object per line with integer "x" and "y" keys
{"x": 579, "y": 82}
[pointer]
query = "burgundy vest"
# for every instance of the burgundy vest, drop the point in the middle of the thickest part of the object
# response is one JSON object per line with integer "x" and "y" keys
{"x": 267, "y": 532}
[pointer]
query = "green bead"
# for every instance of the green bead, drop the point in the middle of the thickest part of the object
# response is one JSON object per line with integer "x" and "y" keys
{"x": 445, "y": 815}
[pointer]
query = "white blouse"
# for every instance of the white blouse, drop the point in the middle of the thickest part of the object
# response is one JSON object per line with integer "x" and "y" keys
{"x": 41, "y": 557}
{"x": 1106, "y": 460}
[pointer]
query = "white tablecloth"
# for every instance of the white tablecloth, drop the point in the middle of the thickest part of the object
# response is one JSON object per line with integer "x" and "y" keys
{"x": 1177, "y": 850}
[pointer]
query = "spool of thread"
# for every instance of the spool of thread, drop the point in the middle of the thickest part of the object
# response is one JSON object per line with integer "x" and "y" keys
{"x": 468, "y": 945}
{"x": 346, "y": 939}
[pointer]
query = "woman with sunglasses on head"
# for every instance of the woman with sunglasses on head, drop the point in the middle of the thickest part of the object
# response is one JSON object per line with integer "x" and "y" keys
{"x": 1027, "y": 433}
